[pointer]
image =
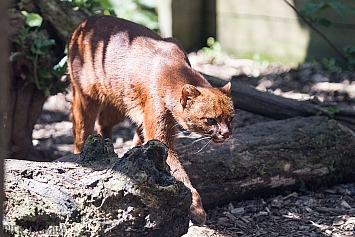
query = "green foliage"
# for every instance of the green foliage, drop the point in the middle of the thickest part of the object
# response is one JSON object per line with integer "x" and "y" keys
{"x": 313, "y": 9}
{"x": 349, "y": 51}
{"x": 333, "y": 110}
{"x": 312, "y": 12}
{"x": 33, "y": 19}
{"x": 331, "y": 65}
{"x": 213, "y": 52}
{"x": 35, "y": 46}
{"x": 139, "y": 11}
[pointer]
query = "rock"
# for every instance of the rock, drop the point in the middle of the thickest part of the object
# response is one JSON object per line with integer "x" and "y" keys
{"x": 337, "y": 221}
{"x": 237, "y": 211}
{"x": 345, "y": 204}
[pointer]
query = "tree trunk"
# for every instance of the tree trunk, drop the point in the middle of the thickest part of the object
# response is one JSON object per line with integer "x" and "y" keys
{"x": 62, "y": 17}
{"x": 100, "y": 195}
{"x": 4, "y": 92}
{"x": 265, "y": 158}
{"x": 277, "y": 107}
{"x": 26, "y": 101}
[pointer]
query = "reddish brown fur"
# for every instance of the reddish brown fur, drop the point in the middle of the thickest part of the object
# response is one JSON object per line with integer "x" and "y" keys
{"x": 118, "y": 68}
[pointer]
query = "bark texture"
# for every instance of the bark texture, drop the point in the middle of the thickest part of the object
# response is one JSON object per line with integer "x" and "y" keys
{"x": 99, "y": 195}
{"x": 4, "y": 93}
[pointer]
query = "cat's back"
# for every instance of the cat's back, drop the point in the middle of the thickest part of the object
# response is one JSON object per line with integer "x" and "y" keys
{"x": 109, "y": 49}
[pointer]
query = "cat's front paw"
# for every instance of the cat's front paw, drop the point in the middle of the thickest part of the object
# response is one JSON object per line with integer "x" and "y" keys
{"x": 197, "y": 215}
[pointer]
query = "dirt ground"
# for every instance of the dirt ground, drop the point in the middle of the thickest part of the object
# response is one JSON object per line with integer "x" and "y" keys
{"x": 329, "y": 211}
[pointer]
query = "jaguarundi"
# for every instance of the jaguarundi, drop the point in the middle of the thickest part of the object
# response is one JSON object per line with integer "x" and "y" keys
{"x": 119, "y": 68}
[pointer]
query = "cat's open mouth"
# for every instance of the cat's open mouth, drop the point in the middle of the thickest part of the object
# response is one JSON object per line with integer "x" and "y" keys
{"x": 218, "y": 140}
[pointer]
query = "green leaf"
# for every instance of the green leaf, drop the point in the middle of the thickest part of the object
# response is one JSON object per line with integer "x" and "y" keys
{"x": 351, "y": 9}
{"x": 47, "y": 92}
{"x": 49, "y": 42}
{"x": 33, "y": 19}
{"x": 33, "y": 49}
{"x": 351, "y": 60}
{"x": 30, "y": 57}
{"x": 339, "y": 7}
{"x": 60, "y": 69}
{"x": 349, "y": 51}
{"x": 147, "y": 3}
{"x": 311, "y": 8}
{"x": 106, "y": 4}
{"x": 144, "y": 19}
{"x": 44, "y": 74}
{"x": 333, "y": 110}
{"x": 325, "y": 22}
{"x": 21, "y": 38}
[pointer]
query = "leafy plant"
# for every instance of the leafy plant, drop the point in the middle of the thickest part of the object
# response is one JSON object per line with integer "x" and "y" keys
{"x": 213, "y": 52}
{"x": 333, "y": 110}
{"x": 349, "y": 51}
{"x": 313, "y": 9}
{"x": 312, "y": 14}
{"x": 331, "y": 65}
{"x": 140, "y": 11}
{"x": 35, "y": 46}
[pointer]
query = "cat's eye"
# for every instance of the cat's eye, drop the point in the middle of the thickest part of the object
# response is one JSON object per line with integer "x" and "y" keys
{"x": 230, "y": 119}
{"x": 211, "y": 121}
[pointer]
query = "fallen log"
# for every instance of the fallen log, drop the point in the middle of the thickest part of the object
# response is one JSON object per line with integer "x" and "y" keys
{"x": 99, "y": 195}
{"x": 266, "y": 158}
{"x": 263, "y": 103}
{"x": 95, "y": 195}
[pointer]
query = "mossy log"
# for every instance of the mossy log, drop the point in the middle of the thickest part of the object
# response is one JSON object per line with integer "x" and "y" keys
{"x": 265, "y": 158}
{"x": 98, "y": 195}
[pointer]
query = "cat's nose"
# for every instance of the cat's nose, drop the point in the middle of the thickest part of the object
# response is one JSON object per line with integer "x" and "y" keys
{"x": 225, "y": 132}
{"x": 226, "y": 135}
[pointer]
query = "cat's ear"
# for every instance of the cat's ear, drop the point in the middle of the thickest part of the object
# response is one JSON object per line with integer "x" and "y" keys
{"x": 226, "y": 89}
{"x": 188, "y": 92}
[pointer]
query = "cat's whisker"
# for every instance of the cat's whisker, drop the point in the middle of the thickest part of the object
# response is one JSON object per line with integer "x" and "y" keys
{"x": 200, "y": 139}
{"x": 237, "y": 120}
{"x": 209, "y": 141}
{"x": 179, "y": 133}
{"x": 191, "y": 133}
{"x": 176, "y": 125}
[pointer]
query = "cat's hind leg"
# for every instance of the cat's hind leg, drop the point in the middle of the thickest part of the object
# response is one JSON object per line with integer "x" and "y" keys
{"x": 109, "y": 116}
{"x": 84, "y": 111}
{"x": 138, "y": 138}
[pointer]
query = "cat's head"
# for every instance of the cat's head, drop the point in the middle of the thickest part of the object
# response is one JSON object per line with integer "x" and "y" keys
{"x": 208, "y": 111}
